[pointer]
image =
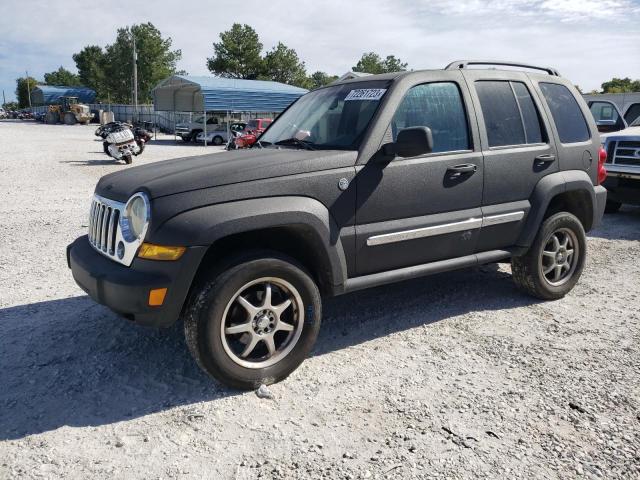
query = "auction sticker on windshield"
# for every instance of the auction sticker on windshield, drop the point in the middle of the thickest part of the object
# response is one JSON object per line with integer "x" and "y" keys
{"x": 365, "y": 94}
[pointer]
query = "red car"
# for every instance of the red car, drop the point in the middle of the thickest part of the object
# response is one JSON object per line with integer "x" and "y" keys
{"x": 251, "y": 132}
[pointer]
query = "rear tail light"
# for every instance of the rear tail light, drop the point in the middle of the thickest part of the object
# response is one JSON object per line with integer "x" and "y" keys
{"x": 602, "y": 172}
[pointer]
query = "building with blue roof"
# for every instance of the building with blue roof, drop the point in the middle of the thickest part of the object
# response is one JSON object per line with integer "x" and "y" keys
{"x": 50, "y": 95}
{"x": 185, "y": 93}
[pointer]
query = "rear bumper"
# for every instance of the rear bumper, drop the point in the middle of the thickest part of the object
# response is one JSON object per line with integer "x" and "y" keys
{"x": 125, "y": 290}
{"x": 600, "y": 203}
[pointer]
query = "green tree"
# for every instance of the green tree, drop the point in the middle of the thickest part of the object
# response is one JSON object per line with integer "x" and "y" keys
{"x": 10, "y": 106}
{"x": 320, "y": 79}
{"x": 90, "y": 62}
{"x": 23, "y": 86}
{"x": 281, "y": 64}
{"x": 62, "y": 76}
{"x": 371, "y": 62}
{"x": 237, "y": 54}
{"x": 621, "y": 85}
{"x": 156, "y": 61}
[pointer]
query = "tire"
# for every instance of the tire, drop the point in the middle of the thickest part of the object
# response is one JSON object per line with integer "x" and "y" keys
{"x": 217, "y": 140}
{"x": 69, "y": 119}
{"x": 105, "y": 147}
{"x": 140, "y": 146}
{"x": 186, "y": 138}
{"x": 128, "y": 159}
{"x": 51, "y": 118}
{"x": 529, "y": 269}
{"x": 214, "y": 306}
{"x": 612, "y": 206}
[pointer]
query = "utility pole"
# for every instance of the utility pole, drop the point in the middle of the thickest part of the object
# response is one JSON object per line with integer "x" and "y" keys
{"x": 4, "y": 100}
{"x": 28, "y": 88}
{"x": 135, "y": 77}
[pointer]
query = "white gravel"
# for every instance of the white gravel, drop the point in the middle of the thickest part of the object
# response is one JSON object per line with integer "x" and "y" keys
{"x": 456, "y": 375}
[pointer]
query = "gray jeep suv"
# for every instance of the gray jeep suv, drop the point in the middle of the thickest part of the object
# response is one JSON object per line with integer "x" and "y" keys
{"x": 357, "y": 184}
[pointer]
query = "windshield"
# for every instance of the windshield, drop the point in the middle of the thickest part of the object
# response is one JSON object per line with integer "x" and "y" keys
{"x": 329, "y": 118}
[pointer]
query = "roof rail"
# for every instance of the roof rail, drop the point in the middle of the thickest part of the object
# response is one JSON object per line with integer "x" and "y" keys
{"x": 459, "y": 64}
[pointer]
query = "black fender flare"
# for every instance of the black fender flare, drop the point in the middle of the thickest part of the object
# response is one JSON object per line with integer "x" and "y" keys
{"x": 545, "y": 190}
{"x": 203, "y": 226}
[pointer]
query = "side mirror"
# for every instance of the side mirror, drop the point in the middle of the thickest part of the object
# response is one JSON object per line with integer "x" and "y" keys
{"x": 412, "y": 142}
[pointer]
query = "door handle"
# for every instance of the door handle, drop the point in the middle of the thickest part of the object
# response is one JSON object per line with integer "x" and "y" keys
{"x": 544, "y": 159}
{"x": 463, "y": 168}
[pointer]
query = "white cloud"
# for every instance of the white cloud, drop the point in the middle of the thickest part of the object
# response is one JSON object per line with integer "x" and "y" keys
{"x": 589, "y": 41}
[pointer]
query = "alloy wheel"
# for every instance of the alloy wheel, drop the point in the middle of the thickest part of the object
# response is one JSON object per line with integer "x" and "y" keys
{"x": 262, "y": 322}
{"x": 559, "y": 257}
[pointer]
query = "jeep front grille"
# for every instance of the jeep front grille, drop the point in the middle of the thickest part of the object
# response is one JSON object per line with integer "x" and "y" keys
{"x": 103, "y": 225}
{"x": 105, "y": 232}
{"x": 625, "y": 152}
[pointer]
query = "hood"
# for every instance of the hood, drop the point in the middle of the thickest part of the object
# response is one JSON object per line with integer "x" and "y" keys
{"x": 627, "y": 132}
{"x": 169, "y": 177}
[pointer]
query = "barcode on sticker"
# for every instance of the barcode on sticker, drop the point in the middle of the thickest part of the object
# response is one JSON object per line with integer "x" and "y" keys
{"x": 365, "y": 94}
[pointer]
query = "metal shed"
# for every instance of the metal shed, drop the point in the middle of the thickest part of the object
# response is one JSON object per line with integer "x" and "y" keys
{"x": 214, "y": 94}
{"x": 50, "y": 95}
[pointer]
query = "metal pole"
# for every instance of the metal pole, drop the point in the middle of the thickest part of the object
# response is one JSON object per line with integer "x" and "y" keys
{"x": 28, "y": 88}
{"x": 135, "y": 77}
{"x": 4, "y": 100}
{"x": 205, "y": 127}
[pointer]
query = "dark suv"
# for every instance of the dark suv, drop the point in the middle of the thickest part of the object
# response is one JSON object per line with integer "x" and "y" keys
{"x": 357, "y": 184}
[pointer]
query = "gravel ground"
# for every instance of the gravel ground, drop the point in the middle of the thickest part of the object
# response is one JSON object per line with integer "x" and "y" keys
{"x": 456, "y": 375}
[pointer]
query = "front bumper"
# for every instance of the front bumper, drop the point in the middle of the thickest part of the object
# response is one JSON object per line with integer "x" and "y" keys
{"x": 623, "y": 188}
{"x": 125, "y": 290}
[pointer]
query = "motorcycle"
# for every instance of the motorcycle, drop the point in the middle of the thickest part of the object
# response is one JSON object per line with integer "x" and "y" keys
{"x": 107, "y": 128}
{"x": 123, "y": 143}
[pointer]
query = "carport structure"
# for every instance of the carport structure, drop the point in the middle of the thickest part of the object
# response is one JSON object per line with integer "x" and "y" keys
{"x": 202, "y": 94}
{"x": 51, "y": 95}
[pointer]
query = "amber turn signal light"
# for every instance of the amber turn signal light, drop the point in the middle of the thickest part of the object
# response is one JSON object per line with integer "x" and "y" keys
{"x": 160, "y": 252}
{"x": 156, "y": 297}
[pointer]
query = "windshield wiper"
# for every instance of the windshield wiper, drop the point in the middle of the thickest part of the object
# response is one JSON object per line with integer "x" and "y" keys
{"x": 295, "y": 141}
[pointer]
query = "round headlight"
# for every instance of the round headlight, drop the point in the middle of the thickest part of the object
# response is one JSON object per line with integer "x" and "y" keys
{"x": 136, "y": 216}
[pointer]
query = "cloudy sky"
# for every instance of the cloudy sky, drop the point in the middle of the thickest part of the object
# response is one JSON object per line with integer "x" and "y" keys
{"x": 589, "y": 41}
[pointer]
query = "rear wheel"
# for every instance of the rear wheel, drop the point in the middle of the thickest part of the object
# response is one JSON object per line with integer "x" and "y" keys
{"x": 51, "y": 118}
{"x": 612, "y": 206}
{"x": 217, "y": 140}
{"x": 255, "y": 322}
{"x": 554, "y": 263}
{"x": 69, "y": 119}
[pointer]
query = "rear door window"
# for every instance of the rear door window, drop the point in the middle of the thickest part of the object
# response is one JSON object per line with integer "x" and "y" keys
{"x": 510, "y": 115}
{"x": 570, "y": 123}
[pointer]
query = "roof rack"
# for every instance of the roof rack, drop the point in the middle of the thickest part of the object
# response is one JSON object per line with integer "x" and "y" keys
{"x": 460, "y": 64}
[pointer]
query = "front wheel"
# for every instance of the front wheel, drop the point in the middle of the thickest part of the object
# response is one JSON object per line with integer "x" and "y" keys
{"x": 128, "y": 159}
{"x": 255, "y": 322}
{"x": 555, "y": 260}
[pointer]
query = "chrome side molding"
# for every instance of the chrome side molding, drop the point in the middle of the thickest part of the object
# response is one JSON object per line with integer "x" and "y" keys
{"x": 445, "y": 228}
{"x": 502, "y": 218}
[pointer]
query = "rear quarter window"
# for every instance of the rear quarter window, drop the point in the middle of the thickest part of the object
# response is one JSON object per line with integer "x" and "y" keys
{"x": 570, "y": 123}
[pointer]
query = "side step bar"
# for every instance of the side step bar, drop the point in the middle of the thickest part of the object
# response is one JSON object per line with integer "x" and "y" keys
{"x": 392, "y": 276}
